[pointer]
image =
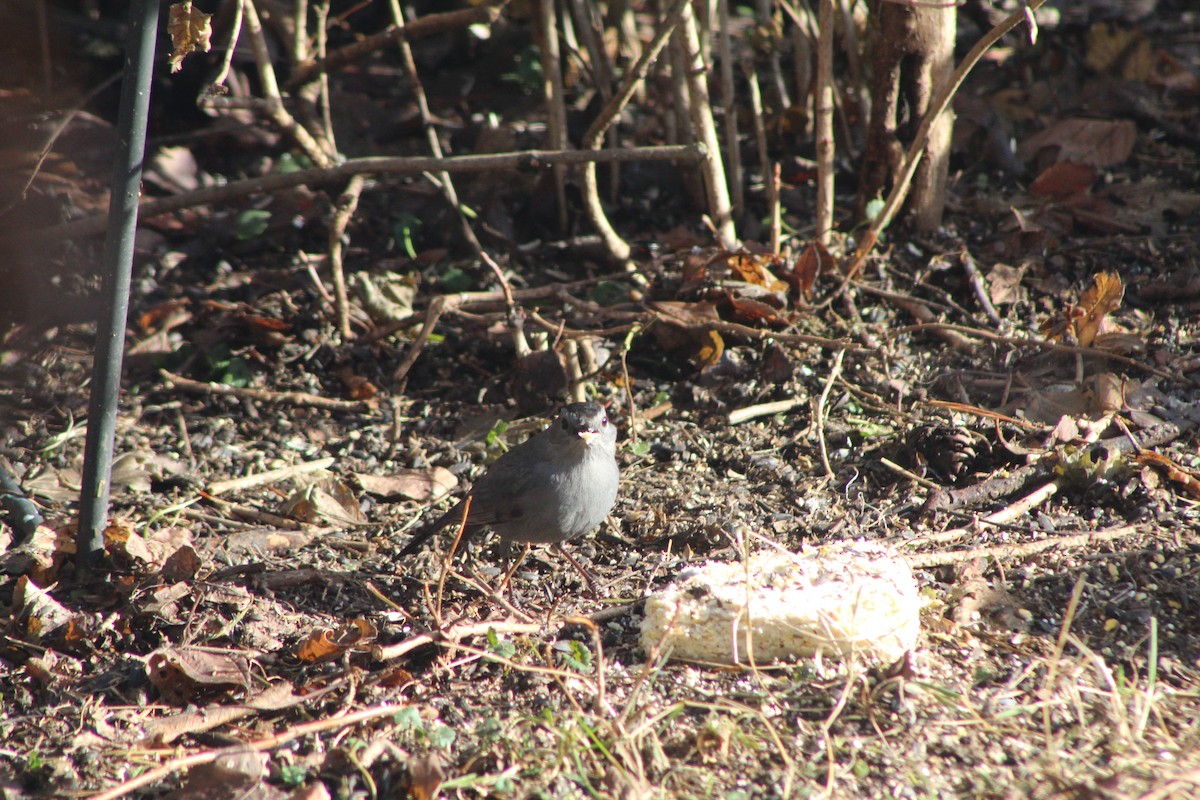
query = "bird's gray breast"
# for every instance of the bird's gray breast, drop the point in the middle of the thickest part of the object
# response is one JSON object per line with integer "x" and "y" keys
{"x": 561, "y": 501}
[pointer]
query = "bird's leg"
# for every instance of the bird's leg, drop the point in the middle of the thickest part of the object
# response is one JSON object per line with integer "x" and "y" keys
{"x": 593, "y": 587}
{"x": 505, "y": 556}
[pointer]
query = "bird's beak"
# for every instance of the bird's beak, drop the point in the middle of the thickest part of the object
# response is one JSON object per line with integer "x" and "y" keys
{"x": 588, "y": 436}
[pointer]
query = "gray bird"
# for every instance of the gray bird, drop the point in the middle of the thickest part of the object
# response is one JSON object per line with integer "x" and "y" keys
{"x": 556, "y": 486}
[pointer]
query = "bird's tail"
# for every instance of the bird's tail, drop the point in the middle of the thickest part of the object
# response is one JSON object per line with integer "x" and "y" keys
{"x": 457, "y": 515}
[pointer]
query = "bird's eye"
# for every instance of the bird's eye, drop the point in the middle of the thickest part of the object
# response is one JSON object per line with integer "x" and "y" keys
{"x": 604, "y": 422}
{"x": 565, "y": 425}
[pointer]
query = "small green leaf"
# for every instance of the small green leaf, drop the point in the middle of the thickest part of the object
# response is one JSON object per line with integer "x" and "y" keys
{"x": 252, "y": 223}
{"x": 441, "y": 735}
{"x": 574, "y": 655}
{"x": 495, "y": 437}
{"x": 609, "y": 293}
{"x": 640, "y": 448}
{"x": 409, "y": 719}
{"x": 237, "y": 373}
{"x": 500, "y": 647}
{"x": 403, "y": 228}
{"x": 292, "y": 775}
{"x": 455, "y": 280}
{"x": 873, "y": 209}
{"x": 289, "y": 163}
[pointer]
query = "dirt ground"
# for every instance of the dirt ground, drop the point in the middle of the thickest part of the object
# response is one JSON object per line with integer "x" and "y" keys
{"x": 1010, "y": 406}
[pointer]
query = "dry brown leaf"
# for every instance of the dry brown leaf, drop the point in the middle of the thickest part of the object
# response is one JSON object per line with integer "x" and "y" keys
{"x": 752, "y": 268}
{"x": 41, "y": 555}
{"x": 180, "y": 672}
{"x": 39, "y": 613}
{"x": 687, "y": 326}
{"x": 190, "y": 31}
{"x": 1122, "y": 52}
{"x": 421, "y": 485}
{"x": 425, "y": 775}
{"x": 1188, "y": 479}
{"x": 165, "y": 316}
{"x": 1100, "y": 143}
{"x": 357, "y": 386}
{"x": 266, "y": 540}
{"x": 327, "y": 501}
{"x": 1081, "y": 322}
{"x": 326, "y": 643}
{"x": 233, "y": 774}
{"x": 754, "y": 312}
{"x": 1004, "y": 284}
{"x": 815, "y": 259}
{"x": 711, "y": 348}
{"x": 1098, "y": 301}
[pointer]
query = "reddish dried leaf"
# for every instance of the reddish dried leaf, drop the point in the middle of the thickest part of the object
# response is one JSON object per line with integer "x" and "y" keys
{"x": 1063, "y": 179}
{"x": 1186, "y": 478}
{"x": 324, "y": 644}
{"x": 165, "y": 316}
{"x": 357, "y": 387}
{"x": 812, "y": 262}
{"x": 695, "y": 267}
{"x": 753, "y": 312}
{"x": 266, "y": 323}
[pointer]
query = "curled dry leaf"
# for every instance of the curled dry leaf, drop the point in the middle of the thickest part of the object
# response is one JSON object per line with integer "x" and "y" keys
{"x": 190, "y": 31}
{"x": 687, "y": 326}
{"x": 1082, "y": 321}
{"x": 37, "y": 611}
{"x": 41, "y": 555}
{"x": 327, "y": 502}
{"x": 180, "y": 673}
{"x": 1125, "y": 53}
{"x": 752, "y": 268}
{"x": 815, "y": 260}
{"x": 324, "y": 644}
{"x": 239, "y": 773}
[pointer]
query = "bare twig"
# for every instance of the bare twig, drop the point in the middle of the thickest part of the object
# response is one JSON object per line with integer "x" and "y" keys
{"x": 318, "y": 152}
{"x": 444, "y": 181}
{"x": 823, "y": 118}
{"x": 819, "y": 416}
{"x": 733, "y": 150}
{"x": 552, "y": 92}
{"x": 343, "y": 211}
{"x": 922, "y": 560}
{"x": 976, "y": 280}
{"x": 740, "y": 415}
{"x": 264, "y": 395}
{"x": 525, "y": 159}
{"x": 429, "y": 25}
{"x": 270, "y": 476}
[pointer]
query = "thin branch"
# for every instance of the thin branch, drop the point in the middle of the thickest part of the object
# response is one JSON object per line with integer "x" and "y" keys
{"x": 523, "y": 159}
